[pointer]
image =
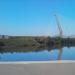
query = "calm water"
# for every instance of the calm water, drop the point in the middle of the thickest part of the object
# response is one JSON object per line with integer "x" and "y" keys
{"x": 43, "y": 55}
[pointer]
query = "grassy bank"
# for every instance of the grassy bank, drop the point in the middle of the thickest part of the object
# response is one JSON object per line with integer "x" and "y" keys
{"x": 24, "y": 41}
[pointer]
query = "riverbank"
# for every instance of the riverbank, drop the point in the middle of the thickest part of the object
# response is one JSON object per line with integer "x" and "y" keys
{"x": 30, "y": 43}
{"x": 24, "y": 41}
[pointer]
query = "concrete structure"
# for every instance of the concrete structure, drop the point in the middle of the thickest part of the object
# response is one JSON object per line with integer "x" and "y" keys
{"x": 37, "y": 68}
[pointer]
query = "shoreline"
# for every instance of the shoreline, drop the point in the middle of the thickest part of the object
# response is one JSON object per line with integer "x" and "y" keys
{"x": 39, "y": 62}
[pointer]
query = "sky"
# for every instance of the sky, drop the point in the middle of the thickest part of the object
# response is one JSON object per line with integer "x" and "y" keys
{"x": 36, "y": 17}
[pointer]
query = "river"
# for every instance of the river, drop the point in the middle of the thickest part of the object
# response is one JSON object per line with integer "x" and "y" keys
{"x": 64, "y": 53}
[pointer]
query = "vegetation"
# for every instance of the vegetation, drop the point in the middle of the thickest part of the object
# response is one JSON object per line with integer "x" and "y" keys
{"x": 24, "y": 41}
{"x": 29, "y": 41}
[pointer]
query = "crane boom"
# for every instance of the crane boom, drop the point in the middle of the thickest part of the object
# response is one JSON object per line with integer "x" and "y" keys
{"x": 59, "y": 26}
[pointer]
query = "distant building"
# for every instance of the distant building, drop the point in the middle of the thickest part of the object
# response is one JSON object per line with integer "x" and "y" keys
{"x": 4, "y": 37}
{"x": 0, "y": 36}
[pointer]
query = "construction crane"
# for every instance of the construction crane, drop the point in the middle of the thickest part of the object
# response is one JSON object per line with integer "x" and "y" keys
{"x": 59, "y": 26}
{"x": 60, "y": 35}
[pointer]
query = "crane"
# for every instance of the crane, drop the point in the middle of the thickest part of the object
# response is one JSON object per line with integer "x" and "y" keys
{"x": 59, "y": 26}
{"x": 60, "y": 35}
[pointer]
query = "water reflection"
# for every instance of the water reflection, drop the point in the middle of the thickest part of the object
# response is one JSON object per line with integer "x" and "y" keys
{"x": 36, "y": 53}
{"x": 29, "y": 49}
{"x": 60, "y": 54}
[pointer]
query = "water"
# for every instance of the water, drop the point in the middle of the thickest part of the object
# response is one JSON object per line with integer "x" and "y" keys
{"x": 39, "y": 55}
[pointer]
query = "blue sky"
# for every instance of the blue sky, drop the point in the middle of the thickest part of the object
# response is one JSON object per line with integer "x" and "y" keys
{"x": 36, "y": 17}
